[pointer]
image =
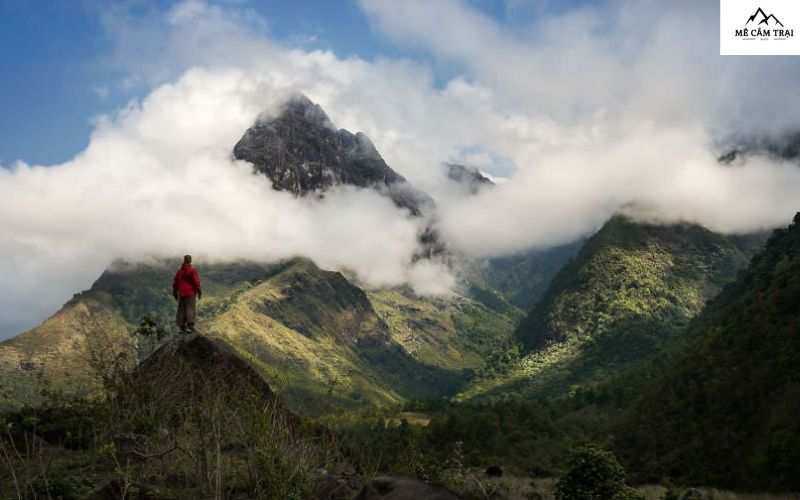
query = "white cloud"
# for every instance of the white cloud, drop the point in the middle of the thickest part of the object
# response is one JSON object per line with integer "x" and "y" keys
{"x": 586, "y": 112}
{"x": 159, "y": 180}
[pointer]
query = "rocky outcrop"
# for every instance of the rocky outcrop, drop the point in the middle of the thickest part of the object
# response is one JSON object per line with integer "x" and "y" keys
{"x": 190, "y": 370}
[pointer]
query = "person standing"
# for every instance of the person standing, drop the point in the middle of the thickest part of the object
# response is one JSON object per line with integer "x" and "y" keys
{"x": 186, "y": 290}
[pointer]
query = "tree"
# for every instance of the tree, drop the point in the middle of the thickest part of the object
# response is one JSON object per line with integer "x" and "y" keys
{"x": 149, "y": 329}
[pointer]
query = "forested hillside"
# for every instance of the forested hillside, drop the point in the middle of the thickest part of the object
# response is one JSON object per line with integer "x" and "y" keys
{"x": 727, "y": 414}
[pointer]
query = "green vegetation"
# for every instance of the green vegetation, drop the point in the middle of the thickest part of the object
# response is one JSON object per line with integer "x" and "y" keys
{"x": 520, "y": 437}
{"x": 452, "y": 332}
{"x": 638, "y": 280}
{"x": 327, "y": 345}
{"x": 632, "y": 289}
{"x": 727, "y": 413}
{"x": 594, "y": 474}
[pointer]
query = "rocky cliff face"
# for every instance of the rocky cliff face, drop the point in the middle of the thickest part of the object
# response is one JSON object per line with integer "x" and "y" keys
{"x": 302, "y": 152}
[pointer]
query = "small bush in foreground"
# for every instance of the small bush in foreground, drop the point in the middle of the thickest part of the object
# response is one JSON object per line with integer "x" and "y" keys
{"x": 594, "y": 474}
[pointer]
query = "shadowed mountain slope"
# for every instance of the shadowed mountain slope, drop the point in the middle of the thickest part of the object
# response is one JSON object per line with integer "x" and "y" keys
{"x": 524, "y": 278}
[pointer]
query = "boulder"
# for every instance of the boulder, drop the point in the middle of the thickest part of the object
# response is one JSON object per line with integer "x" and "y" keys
{"x": 494, "y": 471}
{"x": 694, "y": 494}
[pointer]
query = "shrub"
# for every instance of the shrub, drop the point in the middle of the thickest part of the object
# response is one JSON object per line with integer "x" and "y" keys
{"x": 594, "y": 474}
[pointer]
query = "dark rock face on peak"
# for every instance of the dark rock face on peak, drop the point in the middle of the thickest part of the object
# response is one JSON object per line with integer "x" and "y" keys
{"x": 784, "y": 146}
{"x": 469, "y": 177}
{"x": 302, "y": 152}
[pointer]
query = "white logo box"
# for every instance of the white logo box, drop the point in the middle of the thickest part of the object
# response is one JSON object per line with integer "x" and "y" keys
{"x": 759, "y": 27}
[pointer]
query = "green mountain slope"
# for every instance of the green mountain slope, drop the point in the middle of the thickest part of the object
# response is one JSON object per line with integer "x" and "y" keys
{"x": 59, "y": 353}
{"x": 632, "y": 288}
{"x": 451, "y": 332}
{"x": 321, "y": 341}
{"x": 727, "y": 413}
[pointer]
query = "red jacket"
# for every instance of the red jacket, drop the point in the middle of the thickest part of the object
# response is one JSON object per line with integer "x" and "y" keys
{"x": 186, "y": 282}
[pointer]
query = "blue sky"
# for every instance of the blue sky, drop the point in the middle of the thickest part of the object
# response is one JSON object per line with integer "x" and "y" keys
{"x": 54, "y": 58}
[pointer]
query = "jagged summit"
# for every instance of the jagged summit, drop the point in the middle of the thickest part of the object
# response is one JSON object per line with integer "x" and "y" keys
{"x": 301, "y": 151}
{"x": 469, "y": 177}
{"x": 301, "y": 107}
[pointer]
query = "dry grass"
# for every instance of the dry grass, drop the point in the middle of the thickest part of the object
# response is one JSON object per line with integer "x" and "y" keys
{"x": 655, "y": 492}
{"x": 510, "y": 487}
{"x": 412, "y": 417}
{"x": 193, "y": 419}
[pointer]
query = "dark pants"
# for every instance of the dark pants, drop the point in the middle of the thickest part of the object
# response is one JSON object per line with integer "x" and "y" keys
{"x": 186, "y": 311}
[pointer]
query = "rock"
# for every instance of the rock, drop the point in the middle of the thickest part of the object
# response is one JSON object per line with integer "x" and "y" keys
{"x": 693, "y": 494}
{"x": 331, "y": 487}
{"x": 494, "y": 471}
{"x": 401, "y": 488}
{"x": 27, "y": 366}
{"x": 115, "y": 489}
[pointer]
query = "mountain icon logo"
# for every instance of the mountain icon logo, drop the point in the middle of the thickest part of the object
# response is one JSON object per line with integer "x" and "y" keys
{"x": 764, "y": 19}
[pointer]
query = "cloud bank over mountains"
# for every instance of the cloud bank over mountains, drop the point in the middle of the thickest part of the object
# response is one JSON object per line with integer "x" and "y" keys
{"x": 586, "y": 112}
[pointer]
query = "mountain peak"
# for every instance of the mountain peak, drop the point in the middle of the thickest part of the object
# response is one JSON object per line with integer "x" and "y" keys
{"x": 301, "y": 107}
{"x": 301, "y": 151}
